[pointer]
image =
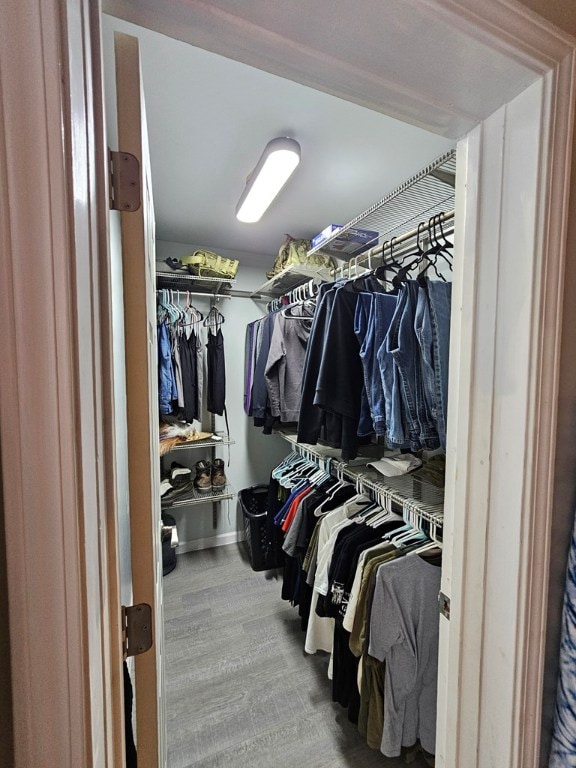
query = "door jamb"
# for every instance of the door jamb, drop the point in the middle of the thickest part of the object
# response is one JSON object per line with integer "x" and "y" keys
{"x": 83, "y": 582}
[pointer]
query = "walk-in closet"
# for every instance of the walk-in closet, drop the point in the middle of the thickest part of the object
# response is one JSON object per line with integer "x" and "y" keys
{"x": 304, "y": 390}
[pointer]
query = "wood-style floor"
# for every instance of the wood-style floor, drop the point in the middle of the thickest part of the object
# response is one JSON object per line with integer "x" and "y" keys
{"x": 240, "y": 691}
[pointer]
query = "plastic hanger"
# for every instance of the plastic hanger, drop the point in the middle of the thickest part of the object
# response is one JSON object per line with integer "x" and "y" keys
{"x": 427, "y": 547}
{"x": 361, "y": 515}
{"x": 192, "y": 312}
{"x": 319, "y": 511}
{"x": 403, "y": 529}
{"x": 445, "y": 247}
{"x": 391, "y": 264}
{"x": 214, "y": 319}
{"x": 436, "y": 248}
{"x": 277, "y": 471}
{"x": 385, "y": 512}
{"x": 166, "y": 310}
{"x": 415, "y": 258}
{"x": 411, "y": 537}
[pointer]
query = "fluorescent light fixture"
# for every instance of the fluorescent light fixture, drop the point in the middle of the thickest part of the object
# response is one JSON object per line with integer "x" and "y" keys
{"x": 278, "y": 161}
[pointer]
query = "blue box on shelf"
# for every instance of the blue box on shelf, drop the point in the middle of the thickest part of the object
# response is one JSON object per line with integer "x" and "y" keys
{"x": 351, "y": 242}
{"x": 321, "y": 237}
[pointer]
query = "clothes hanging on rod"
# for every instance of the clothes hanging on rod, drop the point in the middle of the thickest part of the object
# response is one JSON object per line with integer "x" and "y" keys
{"x": 393, "y": 346}
{"x": 180, "y": 357}
{"x": 366, "y": 596}
{"x": 275, "y": 350}
{"x": 216, "y": 366}
{"x": 376, "y": 353}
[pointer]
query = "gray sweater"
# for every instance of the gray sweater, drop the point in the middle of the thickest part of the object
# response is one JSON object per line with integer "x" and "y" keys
{"x": 286, "y": 362}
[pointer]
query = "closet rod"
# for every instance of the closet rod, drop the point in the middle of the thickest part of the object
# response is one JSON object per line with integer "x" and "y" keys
{"x": 232, "y": 294}
{"x": 420, "y": 509}
{"x": 185, "y": 294}
{"x": 379, "y": 250}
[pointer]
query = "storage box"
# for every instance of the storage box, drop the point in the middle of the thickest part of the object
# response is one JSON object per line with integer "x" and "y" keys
{"x": 264, "y": 549}
{"x": 321, "y": 237}
{"x": 351, "y": 242}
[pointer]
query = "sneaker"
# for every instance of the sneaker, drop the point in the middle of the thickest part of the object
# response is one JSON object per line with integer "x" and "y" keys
{"x": 203, "y": 480}
{"x": 179, "y": 475}
{"x": 218, "y": 476}
{"x": 176, "y": 494}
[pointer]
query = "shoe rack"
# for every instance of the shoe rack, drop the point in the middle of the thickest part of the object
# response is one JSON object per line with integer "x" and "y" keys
{"x": 197, "y": 497}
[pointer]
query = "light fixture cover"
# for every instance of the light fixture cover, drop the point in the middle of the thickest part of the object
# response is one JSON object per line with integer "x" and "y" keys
{"x": 278, "y": 161}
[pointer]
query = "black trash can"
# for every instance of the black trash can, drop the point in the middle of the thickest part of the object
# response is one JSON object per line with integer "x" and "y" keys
{"x": 168, "y": 554}
{"x": 261, "y": 551}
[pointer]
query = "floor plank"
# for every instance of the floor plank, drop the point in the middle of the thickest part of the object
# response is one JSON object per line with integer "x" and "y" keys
{"x": 240, "y": 691}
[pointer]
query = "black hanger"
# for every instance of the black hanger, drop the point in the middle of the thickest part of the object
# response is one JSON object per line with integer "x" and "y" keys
{"x": 391, "y": 265}
{"x": 419, "y": 255}
{"x": 214, "y": 319}
{"x": 446, "y": 247}
{"x": 436, "y": 248}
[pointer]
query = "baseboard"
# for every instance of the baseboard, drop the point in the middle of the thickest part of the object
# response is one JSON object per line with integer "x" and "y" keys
{"x": 220, "y": 540}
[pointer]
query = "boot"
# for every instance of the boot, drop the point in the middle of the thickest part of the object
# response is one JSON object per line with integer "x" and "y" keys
{"x": 218, "y": 476}
{"x": 203, "y": 481}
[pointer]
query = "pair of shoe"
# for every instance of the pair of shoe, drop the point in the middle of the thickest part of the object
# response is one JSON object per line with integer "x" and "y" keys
{"x": 209, "y": 476}
{"x": 177, "y": 484}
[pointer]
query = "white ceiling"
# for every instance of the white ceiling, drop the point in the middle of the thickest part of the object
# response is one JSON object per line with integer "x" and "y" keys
{"x": 330, "y": 75}
{"x": 209, "y": 119}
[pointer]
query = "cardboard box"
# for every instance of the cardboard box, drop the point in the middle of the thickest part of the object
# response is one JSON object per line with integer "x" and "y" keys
{"x": 321, "y": 237}
{"x": 349, "y": 243}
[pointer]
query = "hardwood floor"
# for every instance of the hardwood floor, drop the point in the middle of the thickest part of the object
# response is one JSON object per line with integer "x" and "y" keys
{"x": 240, "y": 690}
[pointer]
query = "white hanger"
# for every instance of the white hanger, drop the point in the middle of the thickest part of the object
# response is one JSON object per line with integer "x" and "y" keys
{"x": 430, "y": 545}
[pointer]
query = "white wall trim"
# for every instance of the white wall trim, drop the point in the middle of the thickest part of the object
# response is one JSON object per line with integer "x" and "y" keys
{"x": 51, "y": 402}
{"x": 510, "y": 28}
{"x": 220, "y": 540}
{"x": 551, "y": 236}
{"x": 54, "y": 561}
{"x": 507, "y": 312}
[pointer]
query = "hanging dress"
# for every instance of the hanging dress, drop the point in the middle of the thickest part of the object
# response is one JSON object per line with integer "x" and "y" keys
{"x": 216, "y": 389}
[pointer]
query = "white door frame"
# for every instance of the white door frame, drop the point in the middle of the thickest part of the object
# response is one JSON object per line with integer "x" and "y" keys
{"x": 56, "y": 403}
{"x": 56, "y": 412}
{"x": 502, "y": 426}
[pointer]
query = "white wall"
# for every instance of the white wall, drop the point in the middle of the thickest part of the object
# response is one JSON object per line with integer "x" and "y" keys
{"x": 253, "y": 454}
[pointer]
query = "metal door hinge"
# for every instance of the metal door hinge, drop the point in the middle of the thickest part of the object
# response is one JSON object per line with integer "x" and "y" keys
{"x": 444, "y": 605}
{"x": 124, "y": 184}
{"x": 136, "y": 629}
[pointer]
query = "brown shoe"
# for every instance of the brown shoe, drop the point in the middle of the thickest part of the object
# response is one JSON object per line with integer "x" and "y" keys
{"x": 218, "y": 476}
{"x": 203, "y": 481}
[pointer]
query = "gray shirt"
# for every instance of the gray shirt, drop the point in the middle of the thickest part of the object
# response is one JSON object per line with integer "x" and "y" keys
{"x": 404, "y": 633}
{"x": 285, "y": 363}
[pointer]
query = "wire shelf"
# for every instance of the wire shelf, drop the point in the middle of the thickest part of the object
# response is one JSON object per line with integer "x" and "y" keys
{"x": 208, "y": 443}
{"x": 179, "y": 281}
{"x": 420, "y": 503}
{"x": 291, "y": 277}
{"x": 429, "y": 192}
{"x": 196, "y": 497}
